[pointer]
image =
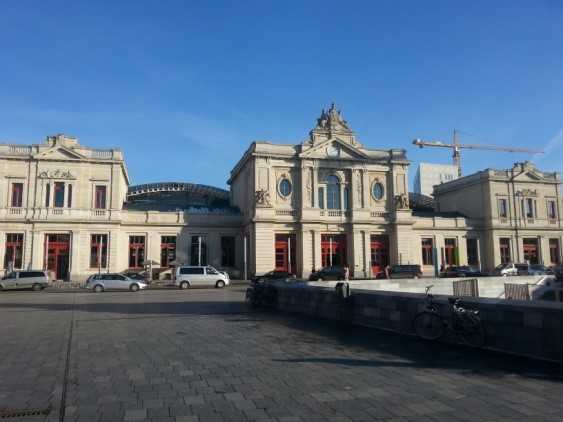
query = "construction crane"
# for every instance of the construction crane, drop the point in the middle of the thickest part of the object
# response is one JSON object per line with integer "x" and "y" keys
{"x": 457, "y": 148}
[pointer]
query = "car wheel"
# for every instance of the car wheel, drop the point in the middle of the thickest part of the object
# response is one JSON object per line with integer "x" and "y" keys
{"x": 184, "y": 285}
{"x": 415, "y": 277}
{"x": 37, "y": 287}
{"x": 99, "y": 288}
{"x": 319, "y": 279}
{"x": 134, "y": 287}
{"x": 220, "y": 284}
{"x": 287, "y": 280}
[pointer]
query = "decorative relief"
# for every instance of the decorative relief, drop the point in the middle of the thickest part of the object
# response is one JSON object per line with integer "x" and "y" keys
{"x": 528, "y": 192}
{"x": 401, "y": 202}
{"x": 262, "y": 198}
{"x": 309, "y": 186}
{"x": 57, "y": 174}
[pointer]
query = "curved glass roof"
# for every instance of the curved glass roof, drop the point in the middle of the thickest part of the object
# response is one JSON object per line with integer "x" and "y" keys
{"x": 175, "y": 196}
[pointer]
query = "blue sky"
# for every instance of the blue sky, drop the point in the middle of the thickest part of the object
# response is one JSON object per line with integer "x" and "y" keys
{"x": 184, "y": 87}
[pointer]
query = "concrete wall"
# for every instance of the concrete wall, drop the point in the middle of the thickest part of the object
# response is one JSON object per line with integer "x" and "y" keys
{"x": 529, "y": 328}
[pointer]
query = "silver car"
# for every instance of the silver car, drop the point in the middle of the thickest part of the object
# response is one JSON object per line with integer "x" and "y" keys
{"x": 102, "y": 282}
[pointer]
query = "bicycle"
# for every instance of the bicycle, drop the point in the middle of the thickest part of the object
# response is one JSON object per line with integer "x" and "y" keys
{"x": 260, "y": 293}
{"x": 463, "y": 323}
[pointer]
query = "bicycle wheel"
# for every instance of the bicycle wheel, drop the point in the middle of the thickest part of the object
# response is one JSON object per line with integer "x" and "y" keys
{"x": 428, "y": 325}
{"x": 248, "y": 298}
{"x": 257, "y": 298}
{"x": 271, "y": 297}
{"x": 474, "y": 336}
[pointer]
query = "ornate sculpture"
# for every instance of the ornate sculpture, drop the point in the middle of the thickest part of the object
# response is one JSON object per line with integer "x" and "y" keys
{"x": 262, "y": 198}
{"x": 401, "y": 202}
{"x": 56, "y": 174}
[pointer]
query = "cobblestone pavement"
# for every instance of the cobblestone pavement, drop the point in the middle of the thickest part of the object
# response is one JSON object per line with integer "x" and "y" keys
{"x": 202, "y": 355}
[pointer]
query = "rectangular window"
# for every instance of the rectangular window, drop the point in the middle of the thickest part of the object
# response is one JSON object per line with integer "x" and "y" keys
{"x": 346, "y": 198}
{"x": 450, "y": 251}
{"x": 199, "y": 250}
{"x": 504, "y": 243}
{"x": 227, "y": 251}
{"x": 472, "y": 252}
{"x": 136, "y": 251}
{"x": 69, "y": 196}
{"x": 502, "y": 211}
{"x": 529, "y": 208}
{"x": 98, "y": 250}
{"x": 321, "y": 198}
{"x": 48, "y": 195}
{"x": 167, "y": 250}
{"x": 551, "y": 210}
{"x": 554, "y": 251}
{"x": 14, "y": 251}
{"x": 100, "y": 197}
{"x": 17, "y": 195}
{"x": 427, "y": 245}
{"x": 59, "y": 200}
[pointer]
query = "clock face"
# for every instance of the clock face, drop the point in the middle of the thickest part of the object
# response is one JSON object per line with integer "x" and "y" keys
{"x": 333, "y": 151}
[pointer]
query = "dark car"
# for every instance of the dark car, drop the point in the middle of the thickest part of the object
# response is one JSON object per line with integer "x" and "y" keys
{"x": 276, "y": 275}
{"x": 402, "y": 271}
{"x": 461, "y": 271}
{"x": 537, "y": 269}
{"x": 138, "y": 276}
{"x": 332, "y": 272}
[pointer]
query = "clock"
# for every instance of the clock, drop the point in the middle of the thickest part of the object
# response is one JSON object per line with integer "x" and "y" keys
{"x": 333, "y": 151}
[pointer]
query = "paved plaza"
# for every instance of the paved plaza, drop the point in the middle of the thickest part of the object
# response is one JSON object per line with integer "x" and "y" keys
{"x": 202, "y": 355}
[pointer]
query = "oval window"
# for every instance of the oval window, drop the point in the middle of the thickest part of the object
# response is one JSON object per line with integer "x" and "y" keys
{"x": 285, "y": 188}
{"x": 378, "y": 191}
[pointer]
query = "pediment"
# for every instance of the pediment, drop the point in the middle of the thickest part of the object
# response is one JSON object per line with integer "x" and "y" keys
{"x": 528, "y": 176}
{"x": 333, "y": 149}
{"x": 58, "y": 153}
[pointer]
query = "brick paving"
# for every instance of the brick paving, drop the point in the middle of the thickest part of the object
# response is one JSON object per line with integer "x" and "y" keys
{"x": 202, "y": 355}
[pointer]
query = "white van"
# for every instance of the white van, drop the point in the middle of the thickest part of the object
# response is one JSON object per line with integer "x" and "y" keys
{"x": 199, "y": 276}
{"x": 510, "y": 268}
{"x": 26, "y": 279}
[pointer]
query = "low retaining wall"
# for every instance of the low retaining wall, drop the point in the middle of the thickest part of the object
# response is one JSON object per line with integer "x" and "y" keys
{"x": 529, "y": 328}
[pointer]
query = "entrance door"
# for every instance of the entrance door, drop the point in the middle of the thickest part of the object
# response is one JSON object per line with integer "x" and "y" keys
{"x": 379, "y": 252}
{"x": 333, "y": 250}
{"x": 56, "y": 255}
{"x": 286, "y": 256}
{"x": 531, "y": 251}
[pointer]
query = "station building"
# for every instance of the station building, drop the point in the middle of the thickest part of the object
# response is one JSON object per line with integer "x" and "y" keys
{"x": 328, "y": 200}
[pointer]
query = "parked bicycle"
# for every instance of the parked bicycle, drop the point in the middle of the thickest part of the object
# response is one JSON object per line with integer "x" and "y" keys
{"x": 463, "y": 323}
{"x": 261, "y": 293}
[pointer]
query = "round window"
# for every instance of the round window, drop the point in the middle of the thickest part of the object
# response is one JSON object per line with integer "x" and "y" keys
{"x": 378, "y": 191}
{"x": 285, "y": 188}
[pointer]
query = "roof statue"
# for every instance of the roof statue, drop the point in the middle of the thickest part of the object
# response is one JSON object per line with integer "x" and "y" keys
{"x": 331, "y": 121}
{"x": 331, "y": 125}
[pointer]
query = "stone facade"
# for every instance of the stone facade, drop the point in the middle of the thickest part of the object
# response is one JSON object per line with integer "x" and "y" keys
{"x": 326, "y": 201}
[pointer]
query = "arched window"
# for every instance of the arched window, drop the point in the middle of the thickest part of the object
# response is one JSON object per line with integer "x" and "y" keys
{"x": 332, "y": 192}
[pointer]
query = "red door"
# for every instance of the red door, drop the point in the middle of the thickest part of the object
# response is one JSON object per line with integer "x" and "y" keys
{"x": 286, "y": 253}
{"x": 333, "y": 250}
{"x": 56, "y": 254}
{"x": 379, "y": 252}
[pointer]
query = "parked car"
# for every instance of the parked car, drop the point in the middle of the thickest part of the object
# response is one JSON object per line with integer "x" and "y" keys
{"x": 102, "y": 282}
{"x": 27, "y": 279}
{"x": 402, "y": 271}
{"x": 199, "y": 276}
{"x": 275, "y": 275}
{"x": 331, "y": 272}
{"x": 460, "y": 271}
{"x": 538, "y": 269}
{"x": 510, "y": 268}
{"x": 138, "y": 276}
